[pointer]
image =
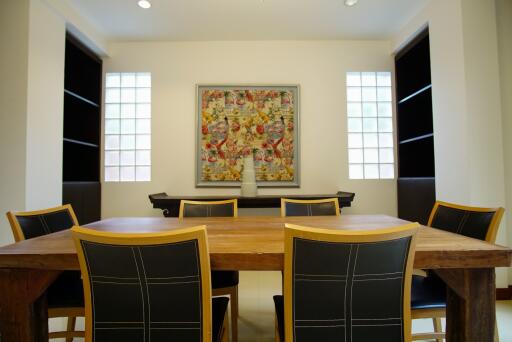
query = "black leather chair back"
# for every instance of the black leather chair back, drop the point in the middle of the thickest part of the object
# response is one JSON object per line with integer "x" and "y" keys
{"x": 42, "y": 224}
{"x": 310, "y": 209}
{"x": 348, "y": 291}
{"x": 209, "y": 210}
{"x": 145, "y": 293}
{"x": 473, "y": 224}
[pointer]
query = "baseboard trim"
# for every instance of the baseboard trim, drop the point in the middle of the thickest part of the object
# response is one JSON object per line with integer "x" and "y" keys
{"x": 504, "y": 293}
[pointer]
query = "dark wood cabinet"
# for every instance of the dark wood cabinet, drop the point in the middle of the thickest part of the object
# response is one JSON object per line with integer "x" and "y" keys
{"x": 82, "y": 129}
{"x": 170, "y": 205}
{"x": 416, "y": 162}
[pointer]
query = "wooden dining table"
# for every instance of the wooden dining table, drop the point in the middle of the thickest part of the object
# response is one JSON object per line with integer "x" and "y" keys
{"x": 467, "y": 265}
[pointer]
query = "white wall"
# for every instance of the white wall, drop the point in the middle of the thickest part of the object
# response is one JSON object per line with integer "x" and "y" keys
{"x": 31, "y": 105}
{"x": 14, "y": 18}
{"x": 319, "y": 67}
{"x": 466, "y": 103}
{"x": 78, "y": 25}
{"x": 504, "y": 21}
{"x": 45, "y": 101}
{"x": 483, "y": 96}
{"x": 31, "y": 102}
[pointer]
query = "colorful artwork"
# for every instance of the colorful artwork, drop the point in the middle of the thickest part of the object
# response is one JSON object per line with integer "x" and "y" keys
{"x": 238, "y": 121}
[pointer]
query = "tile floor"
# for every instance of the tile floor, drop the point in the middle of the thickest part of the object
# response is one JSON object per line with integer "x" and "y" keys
{"x": 256, "y": 323}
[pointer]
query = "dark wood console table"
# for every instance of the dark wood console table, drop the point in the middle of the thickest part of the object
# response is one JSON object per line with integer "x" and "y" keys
{"x": 170, "y": 205}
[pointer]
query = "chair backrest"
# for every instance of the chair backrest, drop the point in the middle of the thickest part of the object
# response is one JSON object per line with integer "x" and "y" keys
{"x": 227, "y": 208}
{"x": 30, "y": 224}
{"x": 475, "y": 222}
{"x": 344, "y": 285}
{"x": 145, "y": 287}
{"x": 320, "y": 207}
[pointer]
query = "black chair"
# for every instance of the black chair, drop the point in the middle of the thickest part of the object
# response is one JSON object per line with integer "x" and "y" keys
{"x": 345, "y": 285}
{"x": 320, "y": 207}
{"x": 65, "y": 295}
{"x": 149, "y": 287}
{"x": 428, "y": 297}
{"x": 223, "y": 282}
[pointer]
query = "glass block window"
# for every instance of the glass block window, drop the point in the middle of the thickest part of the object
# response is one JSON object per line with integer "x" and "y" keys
{"x": 128, "y": 127}
{"x": 370, "y": 125}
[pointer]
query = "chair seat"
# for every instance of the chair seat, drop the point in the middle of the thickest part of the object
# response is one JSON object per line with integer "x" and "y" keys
{"x": 66, "y": 291}
{"x": 279, "y": 304}
{"x": 428, "y": 292}
{"x": 222, "y": 279}
{"x": 219, "y": 307}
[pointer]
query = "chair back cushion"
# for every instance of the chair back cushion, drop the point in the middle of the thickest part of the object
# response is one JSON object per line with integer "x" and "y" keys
{"x": 145, "y": 292}
{"x": 349, "y": 291}
{"x": 209, "y": 210}
{"x": 473, "y": 224}
{"x": 310, "y": 209}
{"x": 42, "y": 224}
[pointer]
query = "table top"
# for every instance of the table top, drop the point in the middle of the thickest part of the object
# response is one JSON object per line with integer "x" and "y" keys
{"x": 256, "y": 242}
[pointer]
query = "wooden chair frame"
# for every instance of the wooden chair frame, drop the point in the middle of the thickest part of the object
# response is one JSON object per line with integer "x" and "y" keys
{"x": 324, "y": 200}
{"x": 15, "y": 224}
{"x": 437, "y": 314}
{"x": 493, "y": 226}
{"x": 231, "y": 291}
{"x": 184, "y": 202}
{"x": 348, "y": 236}
{"x": 194, "y": 233}
{"x": 72, "y": 312}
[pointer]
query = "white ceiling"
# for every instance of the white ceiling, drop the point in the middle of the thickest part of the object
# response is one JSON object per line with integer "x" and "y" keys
{"x": 248, "y": 19}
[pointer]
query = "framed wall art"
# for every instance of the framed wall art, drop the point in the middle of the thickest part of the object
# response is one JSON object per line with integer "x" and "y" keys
{"x": 234, "y": 121}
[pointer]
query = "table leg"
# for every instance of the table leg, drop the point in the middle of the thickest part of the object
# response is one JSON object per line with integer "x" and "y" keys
{"x": 23, "y": 305}
{"x": 471, "y": 304}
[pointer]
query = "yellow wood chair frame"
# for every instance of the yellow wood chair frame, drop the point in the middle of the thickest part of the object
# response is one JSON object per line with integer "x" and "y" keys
{"x": 437, "y": 314}
{"x": 72, "y": 312}
{"x": 231, "y": 291}
{"x": 185, "y": 202}
{"x": 323, "y": 200}
{"x": 348, "y": 236}
{"x": 493, "y": 226}
{"x": 15, "y": 224}
{"x": 194, "y": 233}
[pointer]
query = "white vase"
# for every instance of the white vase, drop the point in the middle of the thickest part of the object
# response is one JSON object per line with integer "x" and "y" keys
{"x": 249, "y": 188}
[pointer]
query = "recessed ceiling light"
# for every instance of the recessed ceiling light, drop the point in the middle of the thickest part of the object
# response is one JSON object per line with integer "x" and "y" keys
{"x": 144, "y": 4}
{"x": 351, "y": 2}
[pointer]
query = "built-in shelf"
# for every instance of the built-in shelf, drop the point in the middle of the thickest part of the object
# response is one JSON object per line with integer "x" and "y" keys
{"x": 416, "y": 158}
{"x": 69, "y": 92}
{"x": 81, "y": 185}
{"x": 415, "y": 131}
{"x": 415, "y": 93}
{"x": 421, "y": 137}
{"x": 73, "y": 141}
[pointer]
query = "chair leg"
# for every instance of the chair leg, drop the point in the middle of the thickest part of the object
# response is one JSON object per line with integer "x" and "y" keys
{"x": 438, "y": 327}
{"x": 71, "y": 327}
{"x": 496, "y": 334}
{"x": 276, "y": 330}
{"x": 234, "y": 314}
{"x": 225, "y": 328}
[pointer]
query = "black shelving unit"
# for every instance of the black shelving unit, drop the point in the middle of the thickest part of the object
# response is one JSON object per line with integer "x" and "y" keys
{"x": 416, "y": 162}
{"x": 82, "y": 127}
